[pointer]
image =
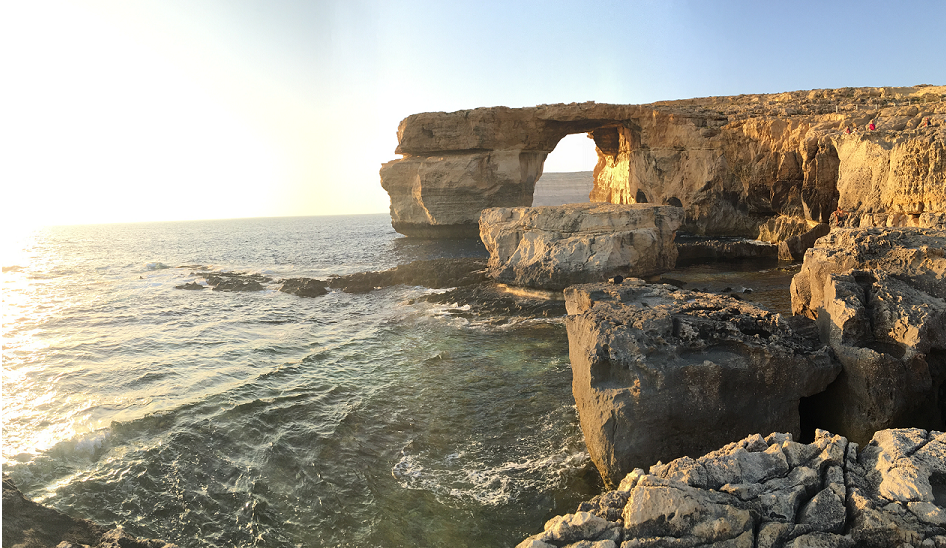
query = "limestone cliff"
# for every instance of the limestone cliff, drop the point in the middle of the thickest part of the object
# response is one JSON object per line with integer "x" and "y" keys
{"x": 746, "y": 165}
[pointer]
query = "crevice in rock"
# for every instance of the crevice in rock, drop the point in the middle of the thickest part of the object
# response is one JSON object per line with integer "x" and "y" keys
{"x": 938, "y": 483}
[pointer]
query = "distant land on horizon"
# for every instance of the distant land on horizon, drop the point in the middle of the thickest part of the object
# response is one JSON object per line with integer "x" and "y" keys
{"x": 563, "y": 188}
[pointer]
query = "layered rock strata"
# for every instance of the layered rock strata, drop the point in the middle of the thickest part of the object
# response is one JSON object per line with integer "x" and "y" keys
{"x": 733, "y": 163}
{"x": 773, "y": 493}
{"x": 878, "y": 298}
{"x": 557, "y": 246}
{"x": 659, "y": 372}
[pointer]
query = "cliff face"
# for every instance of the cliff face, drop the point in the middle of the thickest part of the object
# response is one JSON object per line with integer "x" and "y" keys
{"x": 735, "y": 164}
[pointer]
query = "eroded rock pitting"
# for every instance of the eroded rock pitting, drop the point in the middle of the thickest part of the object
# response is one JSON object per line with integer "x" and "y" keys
{"x": 771, "y": 493}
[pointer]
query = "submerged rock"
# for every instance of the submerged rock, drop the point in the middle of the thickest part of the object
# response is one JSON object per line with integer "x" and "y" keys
{"x": 304, "y": 287}
{"x": 434, "y": 273}
{"x": 878, "y": 298}
{"x": 489, "y": 299}
{"x": 191, "y": 286}
{"x": 557, "y": 246}
{"x": 30, "y": 525}
{"x": 659, "y": 372}
{"x": 774, "y": 493}
{"x": 234, "y": 281}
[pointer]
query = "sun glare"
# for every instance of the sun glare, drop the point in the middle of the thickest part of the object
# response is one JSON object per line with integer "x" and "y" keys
{"x": 107, "y": 129}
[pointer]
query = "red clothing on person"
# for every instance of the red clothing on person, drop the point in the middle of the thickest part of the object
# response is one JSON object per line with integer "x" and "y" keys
{"x": 871, "y": 127}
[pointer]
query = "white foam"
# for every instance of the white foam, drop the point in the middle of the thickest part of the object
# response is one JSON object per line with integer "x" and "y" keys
{"x": 461, "y": 476}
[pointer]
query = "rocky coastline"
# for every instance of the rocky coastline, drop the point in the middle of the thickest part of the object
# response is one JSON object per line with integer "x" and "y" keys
{"x": 773, "y": 492}
{"x": 27, "y": 524}
{"x": 661, "y": 373}
{"x": 849, "y": 392}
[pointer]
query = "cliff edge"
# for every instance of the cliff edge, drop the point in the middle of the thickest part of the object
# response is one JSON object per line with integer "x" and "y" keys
{"x": 767, "y": 166}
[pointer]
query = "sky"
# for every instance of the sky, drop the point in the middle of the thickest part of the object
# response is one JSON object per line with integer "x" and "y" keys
{"x": 129, "y": 111}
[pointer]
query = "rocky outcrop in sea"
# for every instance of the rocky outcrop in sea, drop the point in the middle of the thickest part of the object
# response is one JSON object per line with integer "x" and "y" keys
{"x": 554, "y": 247}
{"x": 877, "y": 296}
{"x": 660, "y": 372}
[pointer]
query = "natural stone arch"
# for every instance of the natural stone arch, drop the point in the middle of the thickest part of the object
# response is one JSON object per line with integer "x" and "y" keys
{"x": 439, "y": 192}
{"x": 735, "y": 164}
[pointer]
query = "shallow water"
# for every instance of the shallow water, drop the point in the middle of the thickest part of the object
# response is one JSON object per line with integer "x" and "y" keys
{"x": 209, "y": 418}
{"x": 764, "y": 282}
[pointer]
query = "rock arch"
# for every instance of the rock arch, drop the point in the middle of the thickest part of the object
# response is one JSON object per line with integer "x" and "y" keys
{"x": 736, "y": 164}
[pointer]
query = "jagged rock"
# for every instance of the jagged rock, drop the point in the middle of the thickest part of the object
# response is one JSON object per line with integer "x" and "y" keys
{"x": 892, "y": 488}
{"x": 433, "y": 273}
{"x": 30, "y": 525}
{"x": 878, "y": 297}
{"x": 554, "y": 247}
{"x": 784, "y": 227}
{"x": 234, "y": 281}
{"x": 796, "y": 500}
{"x": 793, "y": 248}
{"x": 659, "y": 373}
{"x": 304, "y": 287}
{"x": 732, "y": 163}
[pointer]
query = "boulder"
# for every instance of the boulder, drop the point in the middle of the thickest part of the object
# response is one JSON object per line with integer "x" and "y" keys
{"x": 659, "y": 373}
{"x": 774, "y": 492}
{"x": 878, "y": 298}
{"x": 557, "y": 246}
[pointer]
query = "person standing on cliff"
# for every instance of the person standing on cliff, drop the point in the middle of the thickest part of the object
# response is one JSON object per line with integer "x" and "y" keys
{"x": 871, "y": 126}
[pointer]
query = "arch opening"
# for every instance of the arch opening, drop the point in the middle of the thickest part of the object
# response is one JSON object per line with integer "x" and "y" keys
{"x": 568, "y": 174}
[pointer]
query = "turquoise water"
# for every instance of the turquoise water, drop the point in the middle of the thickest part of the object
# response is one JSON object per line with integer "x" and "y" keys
{"x": 264, "y": 419}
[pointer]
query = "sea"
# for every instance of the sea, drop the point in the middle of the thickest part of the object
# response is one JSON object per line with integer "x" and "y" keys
{"x": 210, "y": 418}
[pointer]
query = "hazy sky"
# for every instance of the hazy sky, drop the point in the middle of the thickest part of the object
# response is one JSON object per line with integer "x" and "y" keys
{"x": 128, "y": 110}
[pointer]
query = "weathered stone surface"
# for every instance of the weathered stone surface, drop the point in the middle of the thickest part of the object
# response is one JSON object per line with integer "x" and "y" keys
{"x": 554, "y": 247}
{"x": 891, "y": 489}
{"x": 659, "y": 373}
{"x": 442, "y": 196}
{"x": 878, "y": 297}
{"x": 27, "y": 524}
{"x": 732, "y": 163}
{"x": 822, "y": 494}
{"x": 793, "y": 248}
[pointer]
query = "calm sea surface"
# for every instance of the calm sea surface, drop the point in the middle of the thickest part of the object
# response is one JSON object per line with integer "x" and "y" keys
{"x": 265, "y": 419}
